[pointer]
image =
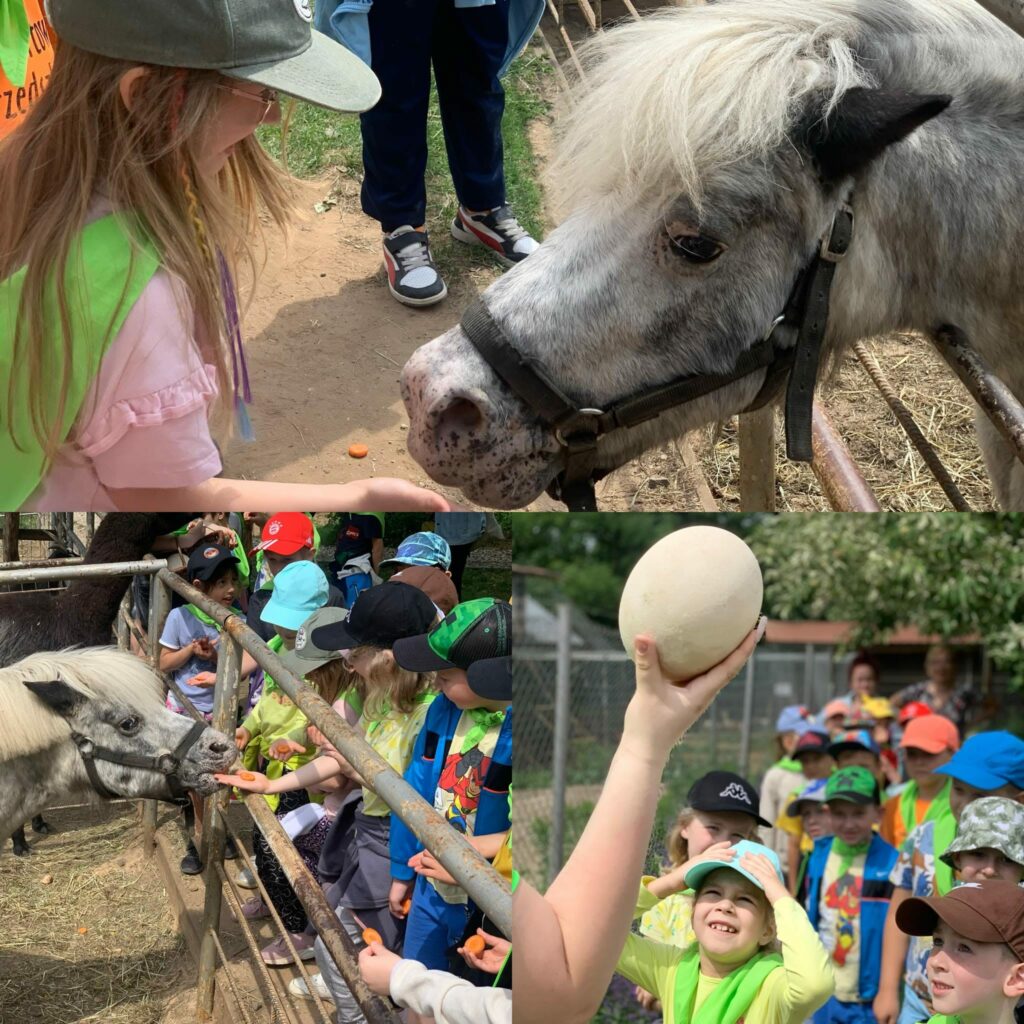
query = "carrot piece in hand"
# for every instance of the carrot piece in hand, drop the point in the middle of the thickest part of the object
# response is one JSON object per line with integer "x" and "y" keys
{"x": 475, "y": 945}
{"x": 407, "y": 906}
{"x": 370, "y": 936}
{"x": 248, "y": 776}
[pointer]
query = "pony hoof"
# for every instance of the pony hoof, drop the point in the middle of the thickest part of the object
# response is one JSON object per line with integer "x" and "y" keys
{"x": 22, "y": 849}
{"x": 41, "y": 827}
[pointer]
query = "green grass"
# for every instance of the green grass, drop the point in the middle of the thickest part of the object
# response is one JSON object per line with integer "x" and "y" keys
{"x": 320, "y": 142}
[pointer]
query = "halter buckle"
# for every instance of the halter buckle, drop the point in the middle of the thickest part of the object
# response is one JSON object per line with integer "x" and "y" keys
{"x": 835, "y": 243}
{"x": 585, "y": 422}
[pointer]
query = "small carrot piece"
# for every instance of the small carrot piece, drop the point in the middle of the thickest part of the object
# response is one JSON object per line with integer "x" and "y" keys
{"x": 475, "y": 945}
{"x": 370, "y": 936}
{"x": 248, "y": 776}
{"x": 82, "y": 931}
{"x": 358, "y": 451}
{"x": 407, "y": 906}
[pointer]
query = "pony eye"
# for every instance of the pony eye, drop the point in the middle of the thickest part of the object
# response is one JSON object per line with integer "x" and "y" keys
{"x": 696, "y": 248}
{"x": 130, "y": 724}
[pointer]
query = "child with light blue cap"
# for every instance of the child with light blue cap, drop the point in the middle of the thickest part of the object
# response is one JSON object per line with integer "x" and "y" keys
{"x": 300, "y": 588}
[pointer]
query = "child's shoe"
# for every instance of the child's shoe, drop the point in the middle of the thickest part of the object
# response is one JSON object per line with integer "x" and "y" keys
{"x": 254, "y": 909}
{"x": 190, "y": 863}
{"x": 413, "y": 277}
{"x": 498, "y": 229}
{"x": 245, "y": 879}
{"x": 297, "y": 987}
{"x": 277, "y": 953}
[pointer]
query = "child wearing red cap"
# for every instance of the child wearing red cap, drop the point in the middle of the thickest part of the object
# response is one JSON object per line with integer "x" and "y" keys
{"x": 928, "y": 743}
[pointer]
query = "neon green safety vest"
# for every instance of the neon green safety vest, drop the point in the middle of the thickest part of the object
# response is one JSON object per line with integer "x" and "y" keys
{"x": 107, "y": 269}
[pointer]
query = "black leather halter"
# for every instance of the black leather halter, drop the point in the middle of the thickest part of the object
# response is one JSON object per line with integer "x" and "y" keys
{"x": 578, "y": 430}
{"x": 166, "y": 764}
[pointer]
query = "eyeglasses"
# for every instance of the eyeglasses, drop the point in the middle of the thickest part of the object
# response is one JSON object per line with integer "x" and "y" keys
{"x": 268, "y": 97}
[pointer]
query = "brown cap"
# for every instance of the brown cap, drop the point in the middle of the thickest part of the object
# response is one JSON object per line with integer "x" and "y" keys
{"x": 983, "y": 911}
{"x": 434, "y": 582}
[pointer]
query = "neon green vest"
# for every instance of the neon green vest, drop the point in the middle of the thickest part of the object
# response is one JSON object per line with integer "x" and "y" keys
{"x": 106, "y": 272}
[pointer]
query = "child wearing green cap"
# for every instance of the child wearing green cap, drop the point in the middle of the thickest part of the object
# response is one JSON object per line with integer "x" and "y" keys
{"x": 848, "y": 893}
{"x": 462, "y": 763}
{"x": 742, "y": 914}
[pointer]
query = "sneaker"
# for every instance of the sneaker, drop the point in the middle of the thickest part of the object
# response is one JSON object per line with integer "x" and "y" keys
{"x": 230, "y": 850}
{"x": 277, "y": 953}
{"x": 254, "y": 909}
{"x": 245, "y": 879}
{"x": 297, "y": 987}
{"x": 498, "y": 229}
{"x": 190, "y": 863}
{"x": 413, "y": 278}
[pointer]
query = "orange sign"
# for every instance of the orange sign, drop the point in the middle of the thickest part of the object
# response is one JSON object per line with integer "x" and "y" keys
{"x": 15, "y": 100}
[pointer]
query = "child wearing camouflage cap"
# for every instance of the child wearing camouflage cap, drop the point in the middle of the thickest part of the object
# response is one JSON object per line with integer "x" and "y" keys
{"x": 989, "y": 841}
{"x": 462, "y": 762}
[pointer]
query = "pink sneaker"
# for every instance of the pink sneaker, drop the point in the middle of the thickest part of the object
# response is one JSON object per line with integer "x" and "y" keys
{"x": 255, "y": 908}
{"x": 277, "y": 953}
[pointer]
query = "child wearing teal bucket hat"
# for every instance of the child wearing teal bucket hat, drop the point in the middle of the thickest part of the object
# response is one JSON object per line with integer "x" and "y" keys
{"x": 742, "y": 913}
{"x": 121, "y": 355}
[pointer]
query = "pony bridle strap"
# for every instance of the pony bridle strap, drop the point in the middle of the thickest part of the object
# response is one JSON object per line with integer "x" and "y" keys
{"x": 166, "y": 764}
{"x": 578, "y": 430}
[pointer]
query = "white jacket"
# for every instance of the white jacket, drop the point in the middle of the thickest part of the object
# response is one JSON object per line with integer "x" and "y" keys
{"x": 449, "y": 1000}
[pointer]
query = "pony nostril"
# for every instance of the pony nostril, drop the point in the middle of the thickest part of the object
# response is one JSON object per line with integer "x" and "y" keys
{"x": 221, "y": 748}
{"x": 461, "y": 416}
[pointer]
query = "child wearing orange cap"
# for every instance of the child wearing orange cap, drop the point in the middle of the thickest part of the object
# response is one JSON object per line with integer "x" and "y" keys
{"x": 928, "y": 743}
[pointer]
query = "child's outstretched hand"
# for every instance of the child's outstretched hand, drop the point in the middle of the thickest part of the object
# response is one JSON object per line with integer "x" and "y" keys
{"x": 242, "y": 737}
{"x": 491, "y": 957}
{"x": 399, "y": 496}
{"x": 376, "y": 964}
{"x": 761, "y": 868}
{"x": 203, "y": 679}
{"x": 425, "y": 863}
{"x": 251, "y": 782}
{"x": 281, "y": 750}
{"x": 662, "y": 710}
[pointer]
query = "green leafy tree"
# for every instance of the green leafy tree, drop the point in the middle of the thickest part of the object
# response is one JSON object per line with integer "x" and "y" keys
{"x": 945, "y": 573}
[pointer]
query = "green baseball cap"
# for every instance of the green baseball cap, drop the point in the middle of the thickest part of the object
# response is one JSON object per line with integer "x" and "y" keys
{"x": 307, "y": 655}
{"x": 990, "y": 823}
{"x": 269, "y": 42}
{"x": 855, "y": 784}
{"x": 471, "y": 633}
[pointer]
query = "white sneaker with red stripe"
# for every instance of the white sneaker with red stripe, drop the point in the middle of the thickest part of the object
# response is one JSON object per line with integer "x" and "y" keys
{"x": 498, "y": 229}
{"x": 413, "y": 278}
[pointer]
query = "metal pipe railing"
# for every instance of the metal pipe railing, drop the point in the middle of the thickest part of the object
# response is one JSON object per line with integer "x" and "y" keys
{"x": 43, "y": 563}
{"x": 486, "y": 887}
{"x": 93, "y": 569}
{"x": 836, "y": 470}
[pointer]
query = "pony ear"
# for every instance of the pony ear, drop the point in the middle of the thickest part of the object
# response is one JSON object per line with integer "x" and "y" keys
{"x": 862, "y": 125}
{"x": 58, "y": 696}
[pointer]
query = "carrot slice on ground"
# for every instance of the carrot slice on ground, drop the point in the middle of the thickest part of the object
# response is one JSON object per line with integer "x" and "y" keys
{"x": 358, "y": 451}
{"x": 475, "y": 945}
{"x": 370, "y": 936}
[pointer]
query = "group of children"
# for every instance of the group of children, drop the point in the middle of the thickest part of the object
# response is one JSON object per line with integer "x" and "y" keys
{"x": 895, "y": 909}
{"x": 431, "y": 691}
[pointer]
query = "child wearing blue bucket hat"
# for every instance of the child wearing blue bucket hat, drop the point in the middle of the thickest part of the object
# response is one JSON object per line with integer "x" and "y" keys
{"x": 742, "y": 913}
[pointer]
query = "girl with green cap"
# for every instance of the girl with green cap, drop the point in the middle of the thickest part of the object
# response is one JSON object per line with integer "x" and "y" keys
{"x": 119, "y": 321}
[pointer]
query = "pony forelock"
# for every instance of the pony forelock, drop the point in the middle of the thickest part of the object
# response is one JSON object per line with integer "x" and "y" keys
{"x": 670, "y": 102}
{"x": 27, "y": 726}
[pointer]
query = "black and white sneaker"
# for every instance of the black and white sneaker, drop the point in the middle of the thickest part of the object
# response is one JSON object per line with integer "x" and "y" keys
{"x": 412, "y": 276}
{"x": 498, "y": 230}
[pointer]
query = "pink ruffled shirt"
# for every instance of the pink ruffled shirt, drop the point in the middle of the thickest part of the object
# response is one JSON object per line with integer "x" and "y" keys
{"x": 144, "y": 422}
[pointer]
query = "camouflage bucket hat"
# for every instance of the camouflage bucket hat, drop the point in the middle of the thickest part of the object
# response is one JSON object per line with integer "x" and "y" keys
{"x": 990, "y": 823}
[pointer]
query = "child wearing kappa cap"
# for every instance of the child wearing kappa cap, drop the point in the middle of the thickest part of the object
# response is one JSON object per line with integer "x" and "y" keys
{"x": 976, "y": 966}
{"x": 121, "y": 354}
{"x": 462, "y": 763}
{"x": 848, "y": 893}
{"x": 988, "y": 764}
{"x": 733, "y": 973}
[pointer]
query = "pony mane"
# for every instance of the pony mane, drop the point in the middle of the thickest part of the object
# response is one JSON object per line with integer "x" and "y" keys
{"x": 28, "y": 726}
{"x": 683, "y": 95}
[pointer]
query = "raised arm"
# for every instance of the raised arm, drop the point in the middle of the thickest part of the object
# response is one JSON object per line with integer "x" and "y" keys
{"x": 578, "y": 929}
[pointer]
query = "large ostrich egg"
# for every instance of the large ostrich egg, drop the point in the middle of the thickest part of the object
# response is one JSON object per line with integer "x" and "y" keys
{"x": 698, "y": 593}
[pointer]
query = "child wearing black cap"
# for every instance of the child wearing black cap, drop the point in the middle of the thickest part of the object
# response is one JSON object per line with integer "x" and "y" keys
{"x": 462, "y": 763}
{"x": 976, "y": 966}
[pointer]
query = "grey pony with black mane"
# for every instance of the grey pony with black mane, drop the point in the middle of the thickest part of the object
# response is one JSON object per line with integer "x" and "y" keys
{"x": 705, "y": 156}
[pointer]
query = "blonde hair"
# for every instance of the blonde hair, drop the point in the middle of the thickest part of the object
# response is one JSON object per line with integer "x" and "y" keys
{"x": 331, "y": 679}
{"x": 677, "y": 846}
{"x": 388, "y": 686}
{"x": 80, "y": 141}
